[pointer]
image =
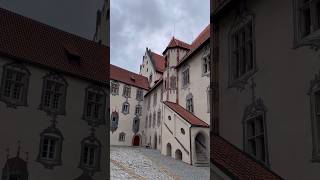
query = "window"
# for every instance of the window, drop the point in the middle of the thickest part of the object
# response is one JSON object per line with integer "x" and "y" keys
{"x": 206, "y": 61}
{"x": 50, "y": 147}
{"x": 135, "y": 125}
{"x": 182, "y": 131}
{"x": 114, "y": 121}
{"x": 138, "y": 110}
{"x": 126, "y": 91}
{"x": 169, "y": 117}
{"x": 146, "y": 124}
{"x": 15, "y": 80}
{"x": 154, "y": 119}
{"x": 139, "y": 95}
{"x": 185, "y": 77}
{"x": 150, "y": 119}
{"x": 173, "y": 80}
{"x": 307, "y": 22}
{"x": 90, "y": 154}
{"x": 114, "y": 88}
{"x": 159, "y": 118}
{"x": 150, "y": 78}
{"x": 155, "y": 99}
{"x": 95, "y": 105}
{"x": 242, "y": 49}
{"x": 314, "y": 93}
{"x": 122, "y": 137}
{"x": 189, "y": 101}
{"x": 255, "y": 132}
{"x": 149, "y": 102}
{"x": 54, "y": 94}
{"x": 125, "y": 108}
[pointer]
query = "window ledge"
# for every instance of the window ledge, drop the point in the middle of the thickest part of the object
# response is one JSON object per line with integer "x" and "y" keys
{"x": 242, "y": 81}
{"x": 49, "y": 164}
{"x": 312, "y": 40}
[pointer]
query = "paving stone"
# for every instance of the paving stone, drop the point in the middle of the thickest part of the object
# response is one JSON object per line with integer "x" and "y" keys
{"x": 140, "y": 163}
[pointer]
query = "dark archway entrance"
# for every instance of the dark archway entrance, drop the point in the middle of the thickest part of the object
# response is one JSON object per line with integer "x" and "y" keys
{"x": 178, "y": 154}
{"x": 155, "y": 141}
{"x": 201, "y": 149}
{"x": 136, "y": 140}
{"x": 168, "y": 149}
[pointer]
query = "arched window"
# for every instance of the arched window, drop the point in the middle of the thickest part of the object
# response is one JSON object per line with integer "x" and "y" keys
{"x": 50, "y": 147}
{"x": 122, "y": 136}
{"x": 95, "y": 105}
{"x": 255, "y": 140}
{"x": 114, "y": 121}
{"x": 189, "y": 102}
{"x": 125, "y": 108}
{"x": 90, "y": 154}
{"x": 206, "y": 61}
{"x": 14, "y": 86}
{"x": 135, "y": 125}
{"x": 54, "y": 94}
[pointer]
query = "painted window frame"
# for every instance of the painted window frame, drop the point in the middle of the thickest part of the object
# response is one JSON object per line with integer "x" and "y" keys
{"x": 159, "y": 118}
{"x": 185, "y": 75}
{"x": 136, "y": 125}
{"x": 114, "y": 121}
{"x": 311, "y": 38}
{"x": 56, "y": 79}
{"x": 91, "y": 142}
{"x": 189, "y": 103}
{"x": 126, "y": 91}
{"x": 95, "y": 90}
{"x": 54, "y": 134}
{"x": 251, "y": 113}
{"x": 313, "y": 93}
{"x": 16, "y": 67}
{"x": 206, "y": 61}
{"x": 139, "y": 108}
{"x": 139, "y": 95}
{"x": 150, "y": 120}
{"x": 122, "y": 137}
{"x": 114, "y": 88}
{"x": 123, "y": 108}
{"x": 242, "y": 23}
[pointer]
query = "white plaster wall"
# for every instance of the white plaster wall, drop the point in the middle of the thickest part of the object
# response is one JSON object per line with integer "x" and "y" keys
{"x": 125, "y": 120}
{"x": 26, "y": 124}
{"x": 283, "y": 80}
{"x": 197, "y": 87}
{"x": 148, "y": 68}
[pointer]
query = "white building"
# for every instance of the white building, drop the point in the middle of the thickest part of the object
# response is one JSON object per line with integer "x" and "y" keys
{"x": 53, "y": 98}
{"x": 175, "y": 108}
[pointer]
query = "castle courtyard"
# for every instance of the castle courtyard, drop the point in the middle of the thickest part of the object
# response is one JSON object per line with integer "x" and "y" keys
{"x": 140, "y": 163}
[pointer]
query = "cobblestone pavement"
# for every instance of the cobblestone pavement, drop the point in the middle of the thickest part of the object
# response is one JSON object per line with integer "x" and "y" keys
{"x": 143, "y": 164}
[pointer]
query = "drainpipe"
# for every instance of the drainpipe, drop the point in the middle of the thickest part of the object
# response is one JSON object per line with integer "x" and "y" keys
{"x": 190, "y": 145}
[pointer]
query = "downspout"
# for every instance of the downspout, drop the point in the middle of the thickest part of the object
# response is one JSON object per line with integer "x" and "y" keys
{"x": 177, "y": 89}
{"x": 190, "y": 145}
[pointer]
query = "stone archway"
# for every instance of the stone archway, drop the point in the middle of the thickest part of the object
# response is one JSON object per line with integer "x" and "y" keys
{"x": 178, "y": 154}
{"x": 202, "y": 148}
{"x": 169, "y": 149}
{"x": 136, "y": 140}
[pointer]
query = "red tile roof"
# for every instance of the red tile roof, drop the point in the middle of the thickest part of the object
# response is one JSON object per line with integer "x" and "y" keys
{"x": 30, "y": 41}
{"x": 196, "y": 44}
{"x": 186, "y": 115}
{"x": 177, "y": 43}
{"x": 159, "y": 62}
{"x": 130, "y": 78}
{"x": 236, "y": 163}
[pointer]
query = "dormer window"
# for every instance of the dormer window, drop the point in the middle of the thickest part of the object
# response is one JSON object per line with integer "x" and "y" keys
{"x": 72, "y": 53}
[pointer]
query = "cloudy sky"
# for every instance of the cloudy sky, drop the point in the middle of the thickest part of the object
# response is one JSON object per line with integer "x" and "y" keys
{"x": 74, "y": 16}
{"x": 138, "y": 24}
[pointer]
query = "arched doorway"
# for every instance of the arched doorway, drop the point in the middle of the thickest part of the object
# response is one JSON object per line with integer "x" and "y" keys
{"x": 168, "y": 149}
{"x": 201, "y": 148}
{"x": 136, "y": 140}
{"x": 178, "y": 154}
{"x": 155, "y": 141}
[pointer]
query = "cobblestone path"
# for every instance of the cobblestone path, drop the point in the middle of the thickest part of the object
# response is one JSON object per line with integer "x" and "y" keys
{"x": 143, "y": 164}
